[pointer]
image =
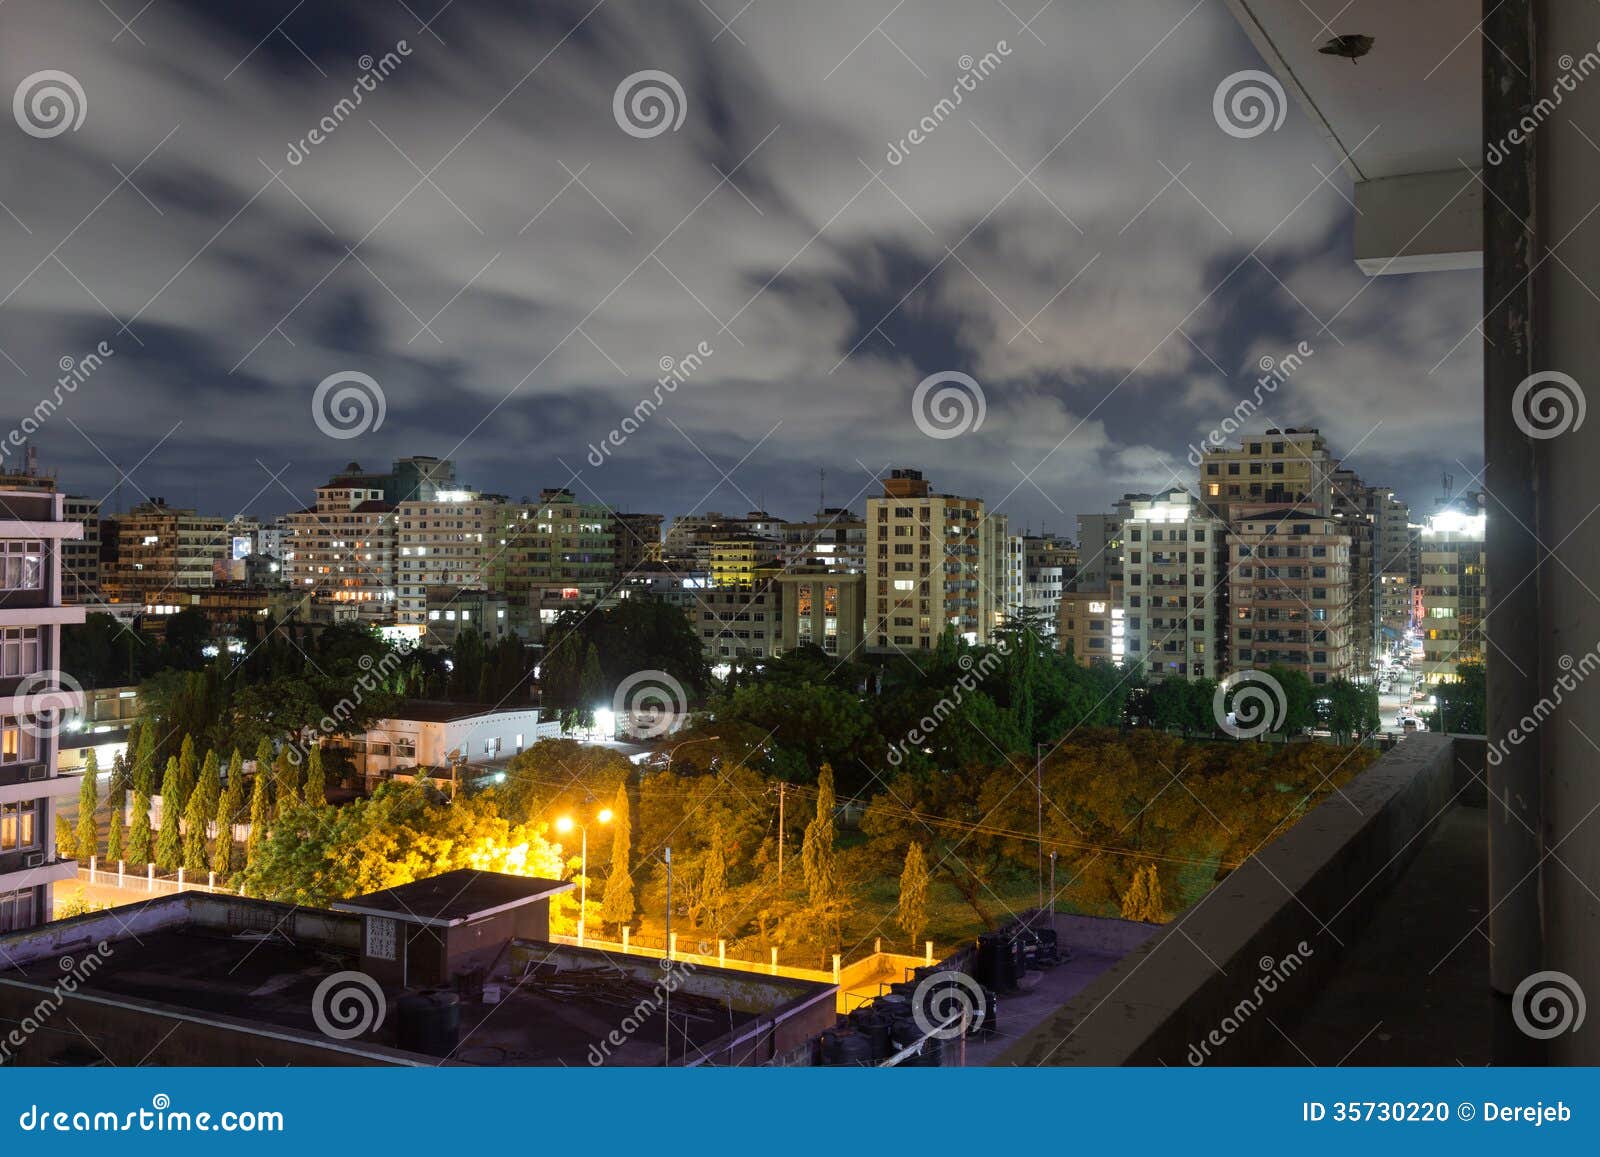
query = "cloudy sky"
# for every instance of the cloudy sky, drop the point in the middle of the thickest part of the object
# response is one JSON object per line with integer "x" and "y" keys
{"x": 510, "y": 254}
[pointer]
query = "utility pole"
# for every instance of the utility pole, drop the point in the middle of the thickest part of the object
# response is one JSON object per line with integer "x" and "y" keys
{"x": 1038, "y": 791}
{"x": 780, "y": 832}
{"x": 666, "y": 992}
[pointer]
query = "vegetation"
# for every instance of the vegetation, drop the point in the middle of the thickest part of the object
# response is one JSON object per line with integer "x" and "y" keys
{"x": 1461, "y": 703}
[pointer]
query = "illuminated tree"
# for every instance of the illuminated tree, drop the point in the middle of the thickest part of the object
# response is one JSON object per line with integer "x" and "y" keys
{"x": 260, "y": 814}
{"x": 195, "y": 818}
{"x": 210, "y": 785}
{"x": 712, "y": 899}
{"x": 818, "y": 859}
{"x": 144, "y": 761}
{"x": 912, "y": 914}
{"x": 286, "y": 774}
{"x": 224, "y": 860}
{"x": 1142, "y": 901}
{"x": 617, "y": 908}
{"x": 188, "y": 774}
{"x": 88, "y": 834}
{"x": 139, "y": 833}
{"x": 316, "y": 785}
{"x": 118, "y": 799}
{"x": 169, "y": 842}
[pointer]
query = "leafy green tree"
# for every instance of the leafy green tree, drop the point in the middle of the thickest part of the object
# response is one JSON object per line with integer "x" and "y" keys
{"x": 169, "y": 842}
{"x": 88, "y": 834}
{"x": 286, "y": 776}
{"x": 617, "y": 907}
{"x": 263, "y": 768}
{"x": 139, "y": 843}
{"x": 315, "y": 791}
{"x": 1461, "y": 703}
{"x": 260, "y": 814}
{"x": 1142, "y": 901}
{"x": 912, "y": 913}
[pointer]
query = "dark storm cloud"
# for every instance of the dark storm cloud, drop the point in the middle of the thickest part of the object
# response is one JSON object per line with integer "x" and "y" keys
{"x": 515, "y": 302}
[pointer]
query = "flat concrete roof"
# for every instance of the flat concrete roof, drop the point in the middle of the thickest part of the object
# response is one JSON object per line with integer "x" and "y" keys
{"x": 454, "y": 898}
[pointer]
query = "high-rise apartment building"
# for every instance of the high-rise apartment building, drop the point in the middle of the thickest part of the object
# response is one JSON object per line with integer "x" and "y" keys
{"x": 1173, "y": 567}
{"x": 1452, "y": 557}
{"x": 1289, "y": 593}
{"x": 689, "y": 536}
{"x": 1282, "y": 467}
{"x": 930, "y": 565}
{"x": 80, "y": 557}
{"x": 340, "y": 554}
{"x": 551, "y": 555}
{"x": 445, "y": 541}
{"x": 162, "y": 548}
{"x": 1049, "y": 565}
{"x": 33, "y": 701}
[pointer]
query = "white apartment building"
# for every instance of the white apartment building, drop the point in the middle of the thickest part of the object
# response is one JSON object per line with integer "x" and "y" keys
{"x": 931, "y": 564}
{"x": 1453, "y": 594}
{"x": 1172, "y": 562}
{"x": 33, "y": 702}
{"x": 445, "y": 541}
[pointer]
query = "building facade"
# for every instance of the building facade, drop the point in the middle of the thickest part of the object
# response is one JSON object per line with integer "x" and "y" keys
{"x": 931, "y": 564}
{"x": 1452, "y": 558}
{"x": 163, "y": 548}
{"x": 1289, "y": 593}
{"x": 1092, "y": 625}
{"x": 340, "y": 554}
{"x": 1172, "y": 578}
{"x": 822, "y": 608}
{"x": 34, "y": 702}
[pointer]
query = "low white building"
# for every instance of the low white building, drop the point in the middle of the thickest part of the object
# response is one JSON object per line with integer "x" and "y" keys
{"x": 432, "y": 735}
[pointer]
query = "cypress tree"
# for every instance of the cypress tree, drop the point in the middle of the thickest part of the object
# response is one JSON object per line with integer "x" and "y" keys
{"x": 195, "y": 819}
{"x": 912, "y": 915}
{"x": 88, "y": 799}
{"x": 116, "y": 848}
{"x": 188, "y": 771}
{"x": 210, "y": 785}
{"x": 139, "y": 833}
{"x": 617, "y": 907}
{"x": 169, "y": 842}
{"x": 287, "y": 774}
{"x": 316, "y": 788}
{"x": 224, "y": 859}
{"x": 260, "y": 817}
{"x": 144, "y": 761}
{"x": 816, "y": 851}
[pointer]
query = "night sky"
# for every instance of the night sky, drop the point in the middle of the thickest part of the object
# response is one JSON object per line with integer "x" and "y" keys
{"x": 486, "y": 240}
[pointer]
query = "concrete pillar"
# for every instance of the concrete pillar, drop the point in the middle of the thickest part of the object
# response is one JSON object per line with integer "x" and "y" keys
{"x": 836, "y": 968}
{"x": 672, "y": 945}
{"x": 149, "y": 877}
{"x": 211, "y": 880}
{"x": 624, "y": 937}
{"x": 1568, "y": 341}
{"x": 1511, "y": 624}
{"x": 927, "y": 952}
{"x": 774, "y": 962}
{"x": 722, "y": 953}
{"x": 122, "y": 869}
{"x": 180, "y": 877}
{"x": 93, "y": 860}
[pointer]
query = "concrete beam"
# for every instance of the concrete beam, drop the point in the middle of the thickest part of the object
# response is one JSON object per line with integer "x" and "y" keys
{"x": 1419, "y": 223}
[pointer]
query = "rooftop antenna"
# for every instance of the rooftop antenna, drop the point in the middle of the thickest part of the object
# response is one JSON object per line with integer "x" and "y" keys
{"x": 822, "y": 490}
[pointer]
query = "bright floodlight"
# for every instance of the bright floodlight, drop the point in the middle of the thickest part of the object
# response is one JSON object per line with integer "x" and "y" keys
{"x": 605, "y": 815}
{"x": 564, "y": 824}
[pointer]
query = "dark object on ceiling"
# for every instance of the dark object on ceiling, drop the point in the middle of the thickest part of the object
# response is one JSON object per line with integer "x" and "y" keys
{"x": 1354, "y": 47}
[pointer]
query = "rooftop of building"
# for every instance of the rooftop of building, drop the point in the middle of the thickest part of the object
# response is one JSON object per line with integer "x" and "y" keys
{"x": 445, "y": 711}
{"x": 199, "y": 979}
{"x": 454, "y": 897}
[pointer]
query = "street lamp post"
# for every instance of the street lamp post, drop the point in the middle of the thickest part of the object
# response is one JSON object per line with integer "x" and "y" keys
{"x": 565, "y": 824}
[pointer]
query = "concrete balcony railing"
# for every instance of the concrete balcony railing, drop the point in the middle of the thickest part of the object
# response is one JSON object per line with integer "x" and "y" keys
{"x": 1355, "y": 935}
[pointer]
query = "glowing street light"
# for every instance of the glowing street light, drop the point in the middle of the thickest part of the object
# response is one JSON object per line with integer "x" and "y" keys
{"x": 565, "y": 824}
